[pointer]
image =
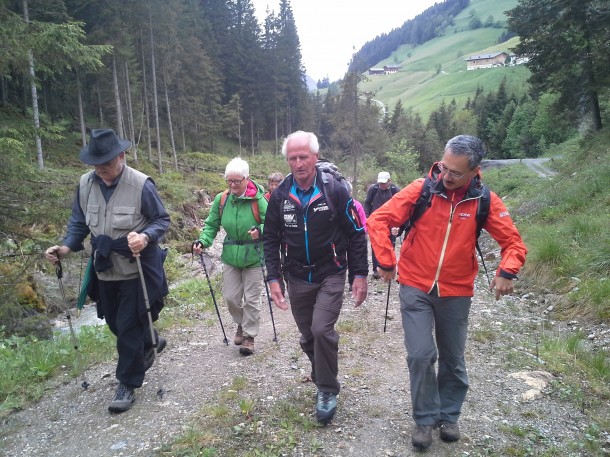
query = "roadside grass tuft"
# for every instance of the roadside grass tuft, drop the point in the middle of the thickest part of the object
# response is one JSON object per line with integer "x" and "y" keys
{"x": 584, "y": 372}
{"x": 27, "y": 363}
{"x": 248, "y": 427}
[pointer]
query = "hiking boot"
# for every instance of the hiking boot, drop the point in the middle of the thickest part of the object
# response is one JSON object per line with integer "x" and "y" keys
{"x": 326, "y": 407}
{"x": 123, "y": 399}
{"x": 239, "y": 336}
{"x": 449, "y": 431}
{"x": 421, "y": 436}
{"x": 247, "y": 346}
{"x": 149, "y": 354}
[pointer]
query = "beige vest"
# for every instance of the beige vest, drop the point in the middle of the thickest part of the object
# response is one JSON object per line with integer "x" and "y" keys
{"x": 116, "y": 218}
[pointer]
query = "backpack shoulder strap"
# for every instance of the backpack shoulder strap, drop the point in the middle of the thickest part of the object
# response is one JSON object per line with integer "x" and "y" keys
{"x": 422, "y": 204}
{"x": 481, "y": 217}
{"x": 328, "y": 185}
{"x": 256, "y": 211}
{"x": 483, "y": 209}
{"x": 223, "y": 201}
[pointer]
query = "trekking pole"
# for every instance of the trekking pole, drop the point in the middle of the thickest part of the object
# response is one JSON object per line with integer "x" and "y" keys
{"x": 60, "y": 274}
{"x": 225, "y": 340}
{"x": 387, "y": 304}
{"x": 262, "y": 261}
{"x": 154, "y": 339}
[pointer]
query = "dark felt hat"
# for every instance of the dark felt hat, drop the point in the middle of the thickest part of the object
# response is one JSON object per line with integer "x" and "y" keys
{"x": 104, "y": 145}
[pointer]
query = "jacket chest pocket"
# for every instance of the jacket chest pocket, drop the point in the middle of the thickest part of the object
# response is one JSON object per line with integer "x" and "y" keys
{"x": 92, "y": 217}
{"x": 123, "y": 217}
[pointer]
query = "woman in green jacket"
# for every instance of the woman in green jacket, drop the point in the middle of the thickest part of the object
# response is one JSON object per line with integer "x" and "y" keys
{"x": 241, "y": 212}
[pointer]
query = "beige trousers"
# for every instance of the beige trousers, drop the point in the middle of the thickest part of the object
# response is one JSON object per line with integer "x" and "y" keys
{"x": 242, "y": 291}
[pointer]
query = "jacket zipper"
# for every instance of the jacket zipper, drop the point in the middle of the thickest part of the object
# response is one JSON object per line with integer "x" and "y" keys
{"x": 445, "y": 241}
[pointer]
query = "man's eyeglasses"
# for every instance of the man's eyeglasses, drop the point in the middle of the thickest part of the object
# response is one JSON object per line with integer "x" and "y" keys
{"x": 453, "y": 174}
{"x": 237, "y": 182}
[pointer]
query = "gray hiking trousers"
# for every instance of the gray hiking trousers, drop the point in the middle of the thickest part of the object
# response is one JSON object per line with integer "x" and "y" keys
{"x": 316, "y": 308}
{"x": 435, "y": 396}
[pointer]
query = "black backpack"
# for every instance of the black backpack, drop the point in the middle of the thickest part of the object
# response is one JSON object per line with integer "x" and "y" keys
{"x": 425, "y": 200}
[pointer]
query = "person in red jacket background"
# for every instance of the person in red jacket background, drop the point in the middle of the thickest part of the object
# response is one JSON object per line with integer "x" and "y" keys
{"x": 437, "y": 269}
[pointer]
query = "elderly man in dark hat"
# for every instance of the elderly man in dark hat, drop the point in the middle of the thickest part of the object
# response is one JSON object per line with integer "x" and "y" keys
{"x": 121, "y": 209}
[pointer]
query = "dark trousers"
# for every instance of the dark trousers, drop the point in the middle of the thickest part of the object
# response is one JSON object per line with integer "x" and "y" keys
{"x": 316, "y": 308}
{"x": 119, "y": 303}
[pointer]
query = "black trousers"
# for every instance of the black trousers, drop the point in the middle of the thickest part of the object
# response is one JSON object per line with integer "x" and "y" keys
{"x": 119, "y": 300}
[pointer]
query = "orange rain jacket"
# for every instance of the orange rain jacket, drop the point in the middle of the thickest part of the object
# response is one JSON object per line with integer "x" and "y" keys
{"x": 440, "y": 247}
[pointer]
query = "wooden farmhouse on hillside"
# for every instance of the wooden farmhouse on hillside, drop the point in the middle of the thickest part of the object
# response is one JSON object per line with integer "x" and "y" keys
{"x": 496, "y": 59}
{"x": 386, "y": 70}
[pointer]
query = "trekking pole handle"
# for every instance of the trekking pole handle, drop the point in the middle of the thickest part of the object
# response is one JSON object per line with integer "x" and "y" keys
{"x": 59, "y": 271}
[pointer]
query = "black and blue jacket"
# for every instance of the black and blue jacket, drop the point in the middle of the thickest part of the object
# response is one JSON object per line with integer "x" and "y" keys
{"x": 317, "y": 239}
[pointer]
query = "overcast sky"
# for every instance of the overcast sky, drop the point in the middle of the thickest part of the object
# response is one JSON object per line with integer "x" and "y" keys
{"x": 330, "y": 29}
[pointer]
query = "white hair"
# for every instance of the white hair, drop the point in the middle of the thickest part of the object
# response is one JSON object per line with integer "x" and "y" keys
{"x": 312, "y": 140}
{"x": 237, "y": 166}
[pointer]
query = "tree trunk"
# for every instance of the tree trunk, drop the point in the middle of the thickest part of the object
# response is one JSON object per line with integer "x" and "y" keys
{"x": 252, "y": 131}
{"x": 238, "y": 126}
{"x": 132, "y": 130}
{"x": 81, "y": 115}
{"x": 39, "y": 156}
{"x": 169, "y": 120}
{"x": 145, "y": 98}
{"x": 99, "y": 105}
{"x": 155, "y": 96}
{"x": 117, "y": 100}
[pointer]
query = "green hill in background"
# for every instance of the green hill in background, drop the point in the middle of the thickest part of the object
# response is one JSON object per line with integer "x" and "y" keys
{"x": 436, "y": 71}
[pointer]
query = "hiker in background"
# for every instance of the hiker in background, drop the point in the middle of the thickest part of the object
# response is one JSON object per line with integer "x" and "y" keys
{"x": 316, "y": 225}
{"x": 240, "y": 211}
{"x": 121, "y": 209}
{"x": 362, "y": 216}
{"x": 437, "y": 270}
{"x": 273, "y": 181}
{"x": 376, "y": 196}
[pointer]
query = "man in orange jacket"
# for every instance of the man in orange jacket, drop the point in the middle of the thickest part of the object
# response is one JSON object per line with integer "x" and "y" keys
{"x": 437, "y": 268}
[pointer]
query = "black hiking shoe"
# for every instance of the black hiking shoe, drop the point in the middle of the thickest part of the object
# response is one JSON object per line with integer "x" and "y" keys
{"x": 421, "y": 436}
{"x": 149, "y": 354}
{"x": 449, "y": 431}
{"x": 326, "y": 407}
{"x": 123, "y": 399}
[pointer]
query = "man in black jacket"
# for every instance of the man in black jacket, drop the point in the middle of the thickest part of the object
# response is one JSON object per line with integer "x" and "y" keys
{"x": 313, "y": 220}
{"x": 376, "y": 196}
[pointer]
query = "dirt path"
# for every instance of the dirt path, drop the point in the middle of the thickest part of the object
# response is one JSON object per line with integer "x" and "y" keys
{"x": 373, "y": 417}
{"x": 538, "y": 165}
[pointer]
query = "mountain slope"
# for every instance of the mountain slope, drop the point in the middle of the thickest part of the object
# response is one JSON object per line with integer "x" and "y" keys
{"x": 436, "y": 71}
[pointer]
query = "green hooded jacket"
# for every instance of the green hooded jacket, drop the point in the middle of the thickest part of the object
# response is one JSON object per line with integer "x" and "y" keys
{"x": 239, "y": 250}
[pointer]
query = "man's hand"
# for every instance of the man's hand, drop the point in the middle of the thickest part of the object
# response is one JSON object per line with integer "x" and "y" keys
{"x": 503, "y": 286}
{"x": 254, "y": 233}
{"x": 137, "y": 242}
{"x": 277, "y": 296}
{"x": 387, "y": 275}
{"x": 359, "y": 291}
{"x": 198, "y": 247}
{"x": 55, "y": 253}
{"x": 394, "y": 231}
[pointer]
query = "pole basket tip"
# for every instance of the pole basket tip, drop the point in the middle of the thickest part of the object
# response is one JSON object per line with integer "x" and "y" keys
{"x": 85, "y": 385}
{"x": 160, "y": 393}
